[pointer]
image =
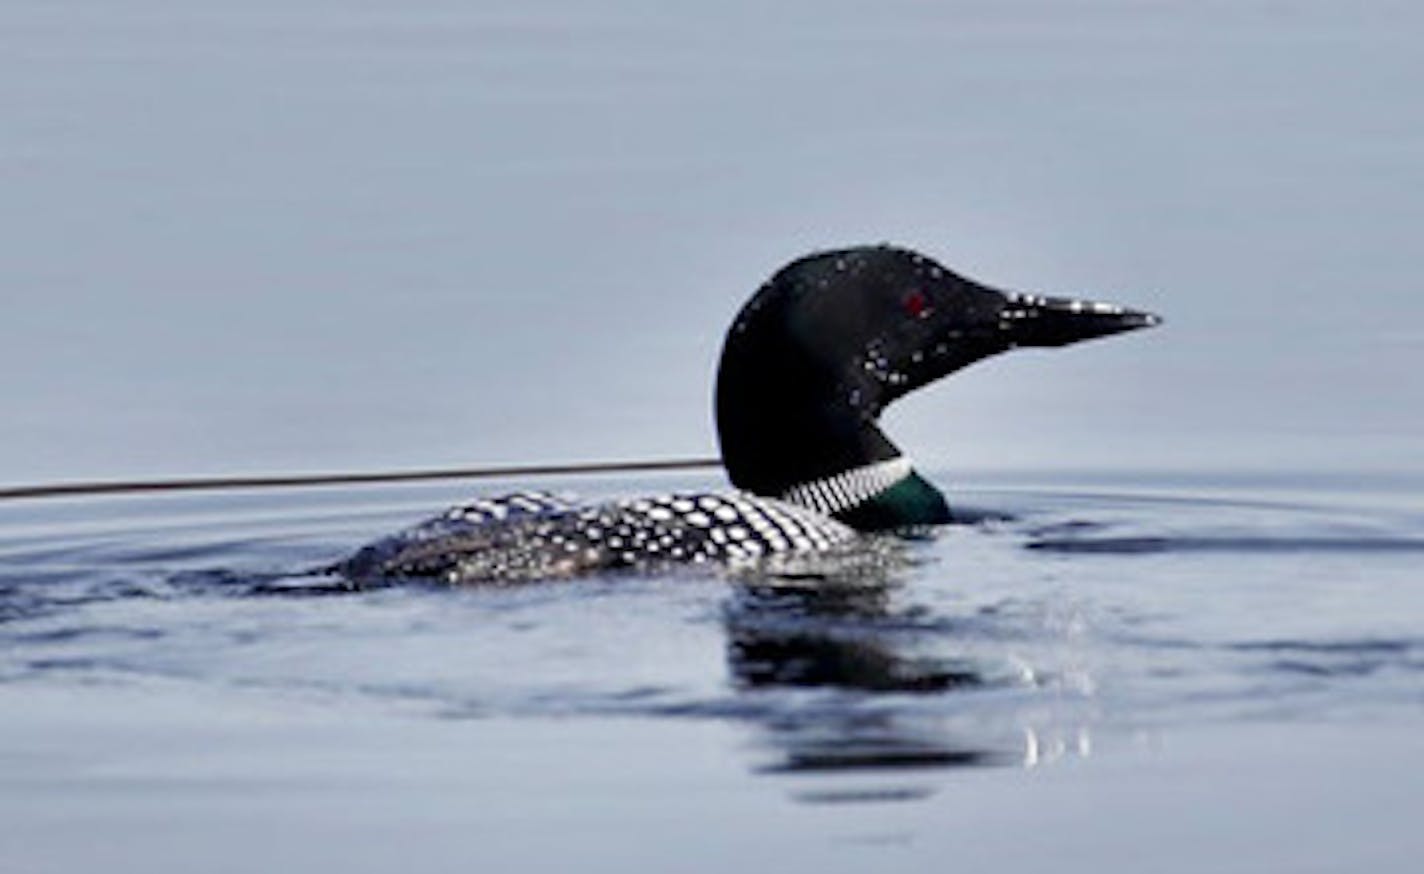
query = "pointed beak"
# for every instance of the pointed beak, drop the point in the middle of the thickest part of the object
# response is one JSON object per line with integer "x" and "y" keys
{"x": 1033, "y": 320}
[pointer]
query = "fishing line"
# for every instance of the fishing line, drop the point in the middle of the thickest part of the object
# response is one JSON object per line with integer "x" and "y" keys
{"x": 195, "y": 484}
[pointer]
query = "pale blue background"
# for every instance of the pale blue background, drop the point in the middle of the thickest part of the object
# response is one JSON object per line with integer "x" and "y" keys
{"x": 317, "y": 235}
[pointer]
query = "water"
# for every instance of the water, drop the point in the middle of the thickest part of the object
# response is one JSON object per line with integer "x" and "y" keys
{"x": 1223, "y": 674}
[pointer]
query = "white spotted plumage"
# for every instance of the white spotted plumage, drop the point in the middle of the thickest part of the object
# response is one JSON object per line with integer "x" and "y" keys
{"x": 535, "y": 535}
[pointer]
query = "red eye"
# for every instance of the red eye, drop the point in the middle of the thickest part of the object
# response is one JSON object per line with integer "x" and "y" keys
{"x": 917, "y": 305}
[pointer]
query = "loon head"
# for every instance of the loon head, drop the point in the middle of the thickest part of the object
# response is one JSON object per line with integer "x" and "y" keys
{"x": 830, "y": 340}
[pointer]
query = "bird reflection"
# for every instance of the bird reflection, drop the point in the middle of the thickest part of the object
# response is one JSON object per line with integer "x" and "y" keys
{"x": 844, "y": 635}
{"x": 818, "y": 633}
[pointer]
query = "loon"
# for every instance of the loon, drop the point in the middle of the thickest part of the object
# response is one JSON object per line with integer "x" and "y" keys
{"x": 806, "y": 369}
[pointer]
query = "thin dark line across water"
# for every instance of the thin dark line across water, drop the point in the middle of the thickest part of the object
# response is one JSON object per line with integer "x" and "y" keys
{"x": 57, "y": 490}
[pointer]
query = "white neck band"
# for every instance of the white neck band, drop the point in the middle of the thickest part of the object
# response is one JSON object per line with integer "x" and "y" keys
{"x": 850, "y": 488}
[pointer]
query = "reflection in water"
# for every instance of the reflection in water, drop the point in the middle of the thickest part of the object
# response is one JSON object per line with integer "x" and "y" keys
{"x": 821, "y": 633}
{"x": 883, "y": 741}
{"x": 907, "y": 774}
{"x": 1044, "y": 749}
{"x": 842, "y": 657}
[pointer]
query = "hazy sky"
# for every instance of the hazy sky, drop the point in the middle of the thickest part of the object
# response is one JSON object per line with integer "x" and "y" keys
{"x": 320, "y": 235}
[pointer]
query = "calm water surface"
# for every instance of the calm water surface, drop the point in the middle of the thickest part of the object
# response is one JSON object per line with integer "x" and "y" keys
{"x": 1221, "y": 674}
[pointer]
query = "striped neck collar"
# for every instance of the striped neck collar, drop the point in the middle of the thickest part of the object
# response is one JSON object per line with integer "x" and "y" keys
{"x": 848, "y": 489}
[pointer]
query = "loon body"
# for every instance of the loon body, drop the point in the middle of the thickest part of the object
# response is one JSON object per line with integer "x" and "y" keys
{"x": 807, "y": 367}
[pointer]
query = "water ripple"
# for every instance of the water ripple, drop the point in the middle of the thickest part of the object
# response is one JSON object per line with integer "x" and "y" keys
{"x": 1232, "y": 544}
{"x": 841, "y": 668}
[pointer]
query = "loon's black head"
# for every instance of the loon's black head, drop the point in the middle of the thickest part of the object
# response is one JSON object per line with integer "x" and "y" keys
{"x": 832, "y": 338}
